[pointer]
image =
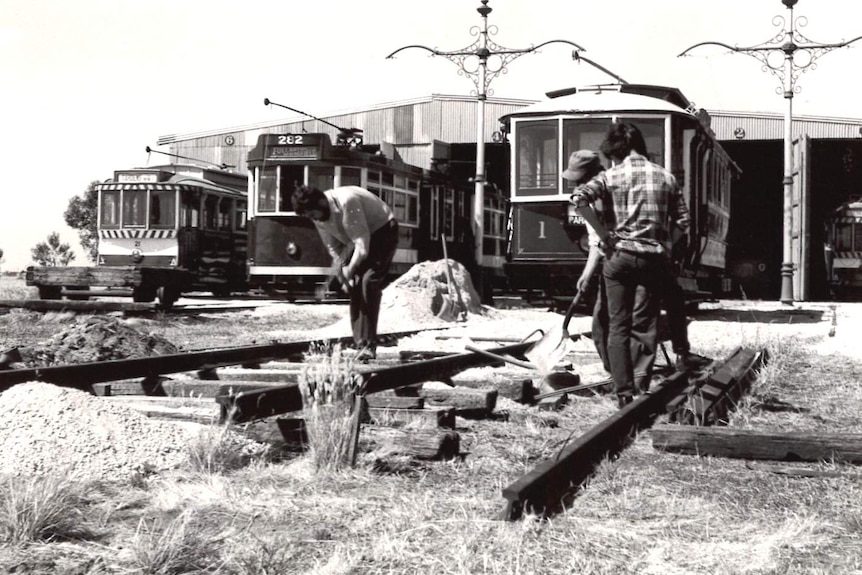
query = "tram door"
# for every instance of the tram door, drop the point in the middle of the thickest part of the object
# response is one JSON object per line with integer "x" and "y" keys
{"x": 800, "y": 228}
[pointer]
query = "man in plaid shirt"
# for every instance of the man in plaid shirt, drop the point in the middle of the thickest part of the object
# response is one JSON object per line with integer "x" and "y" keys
{"x": 643, "y": 207}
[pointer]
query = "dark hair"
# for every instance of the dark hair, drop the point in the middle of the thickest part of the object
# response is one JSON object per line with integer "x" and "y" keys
{"x": 622, "y": 138}
{"x": 305, "y": 198}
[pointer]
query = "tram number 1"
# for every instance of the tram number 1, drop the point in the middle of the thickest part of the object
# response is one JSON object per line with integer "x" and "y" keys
{"x": 290, "y": 140}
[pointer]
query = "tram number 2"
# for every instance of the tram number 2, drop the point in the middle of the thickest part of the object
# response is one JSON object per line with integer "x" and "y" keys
{"x": 290, "y": 140}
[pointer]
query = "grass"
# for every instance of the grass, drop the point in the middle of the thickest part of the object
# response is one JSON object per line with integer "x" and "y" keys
{"x": 645, "y": 512}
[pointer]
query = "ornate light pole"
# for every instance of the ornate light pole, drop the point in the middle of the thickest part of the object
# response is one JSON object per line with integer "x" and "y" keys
{"x": 787, "y": 55}
{"x": 473, "y": 61}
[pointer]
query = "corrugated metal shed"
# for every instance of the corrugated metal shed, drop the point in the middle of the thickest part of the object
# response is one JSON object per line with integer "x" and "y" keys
{"x": 411, "y": 126}
{"x": 763, "y": 126}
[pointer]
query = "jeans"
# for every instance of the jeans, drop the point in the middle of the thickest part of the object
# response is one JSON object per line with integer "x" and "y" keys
{"x": 632, "y": 284}
{"x": 367, "y": 290}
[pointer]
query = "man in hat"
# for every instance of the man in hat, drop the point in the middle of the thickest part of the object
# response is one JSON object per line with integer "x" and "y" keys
{"x": 361, "y": 235}
{"x": 644, "y": 204}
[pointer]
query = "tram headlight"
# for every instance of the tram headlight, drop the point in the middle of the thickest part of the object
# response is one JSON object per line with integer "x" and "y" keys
{"x": 137, "y": 256}
{"x": 292, "y": 249}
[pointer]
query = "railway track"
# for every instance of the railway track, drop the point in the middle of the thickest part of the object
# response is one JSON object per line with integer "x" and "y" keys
{"x": 698, "y": 398}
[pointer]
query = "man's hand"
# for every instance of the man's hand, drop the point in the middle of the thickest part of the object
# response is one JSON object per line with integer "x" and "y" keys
{"x": 346, "y": 279}
{"x": 608, "y": 243}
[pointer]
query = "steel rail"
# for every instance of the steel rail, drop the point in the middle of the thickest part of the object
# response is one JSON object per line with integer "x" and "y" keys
{"x": 83, "y": 375}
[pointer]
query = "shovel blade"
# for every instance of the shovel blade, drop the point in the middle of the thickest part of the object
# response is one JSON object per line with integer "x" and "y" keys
{"x": 546, "y": 353}
{"x": 448, "y": 310}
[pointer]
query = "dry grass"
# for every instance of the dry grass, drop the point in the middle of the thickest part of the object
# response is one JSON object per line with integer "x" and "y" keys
{"x": 42, "y": 508}
{"x": 645, "y": 512}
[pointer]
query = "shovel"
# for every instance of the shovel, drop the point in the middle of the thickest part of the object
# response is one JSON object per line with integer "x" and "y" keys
{"x": 450, "y": 282}
{"x": 546, "y": 353}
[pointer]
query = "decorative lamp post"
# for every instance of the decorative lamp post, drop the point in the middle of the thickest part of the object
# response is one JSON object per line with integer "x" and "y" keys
{"x": 482, "y": 61}
{"x": 787, "y": 55}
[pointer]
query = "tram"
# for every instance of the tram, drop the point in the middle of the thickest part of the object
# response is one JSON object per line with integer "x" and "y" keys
{"x": 548, "y": 246}
{"x": 163, "y": 231}
{"x": 843, "y": 250}
{"x": 286, "y": 256}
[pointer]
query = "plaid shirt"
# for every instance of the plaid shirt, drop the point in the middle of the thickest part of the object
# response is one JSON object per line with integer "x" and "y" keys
{"x": 641, "y": 202}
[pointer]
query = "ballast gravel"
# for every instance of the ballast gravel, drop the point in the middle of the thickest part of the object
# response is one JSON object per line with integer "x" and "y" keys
{"x": 45, "y": 428}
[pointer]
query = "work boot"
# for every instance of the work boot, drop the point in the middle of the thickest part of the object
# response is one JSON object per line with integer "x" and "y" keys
{"x": 624, "y": 400}
{"x": 366, "y": 354}
{"x": 687, "y": 361}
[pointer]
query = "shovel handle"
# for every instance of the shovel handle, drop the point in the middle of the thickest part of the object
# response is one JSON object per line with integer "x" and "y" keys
{"x": 571, "y": 310}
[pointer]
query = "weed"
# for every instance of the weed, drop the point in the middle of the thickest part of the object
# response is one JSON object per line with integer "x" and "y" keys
{"x": 181, "y": 545}
{"x": 218, "y": 449}
{"x": 42, "y": 508}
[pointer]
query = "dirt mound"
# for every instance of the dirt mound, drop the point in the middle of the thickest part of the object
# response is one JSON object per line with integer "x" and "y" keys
{"x": 421, "y": 292}
{"x": 95, "y": 338}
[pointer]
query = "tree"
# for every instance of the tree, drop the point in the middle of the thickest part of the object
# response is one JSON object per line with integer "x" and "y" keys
{"x": 82, "y": 215}
{"x": 52, "y": 252}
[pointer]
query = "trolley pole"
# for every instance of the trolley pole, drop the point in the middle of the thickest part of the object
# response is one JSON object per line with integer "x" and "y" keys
{"x": 482, "y": 61}
{"x": 787, "y": 55}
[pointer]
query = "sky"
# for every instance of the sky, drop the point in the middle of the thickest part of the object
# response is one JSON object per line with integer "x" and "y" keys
{"x": 88, "y": 85}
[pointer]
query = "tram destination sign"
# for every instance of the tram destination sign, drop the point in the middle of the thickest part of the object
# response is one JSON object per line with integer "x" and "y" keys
{"x": 289, "y": 146}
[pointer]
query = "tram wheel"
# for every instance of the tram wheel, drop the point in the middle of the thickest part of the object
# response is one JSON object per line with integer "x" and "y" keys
{"x": 167, "y": 296}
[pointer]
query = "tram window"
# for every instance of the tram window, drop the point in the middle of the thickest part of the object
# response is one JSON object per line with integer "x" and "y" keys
{"x": 399, "y": 205}
{"x": 266, "y": 190}
{"x": 448, "y": 211}
{"x": 210, "y": 212}
{"x": 224, "y": 210}
{"x": 291, "y": 177}
{"x": 537, "y": 158}
{"x": 110, "y": 217}
{"x": 190, "y": 209}
{"x": 857, "y": 237}
{"x": 400, "y": 182}
{"x": 321, "y": 177}
{"x": 412, "y": 209}
{"x": 351, "y": 176}
{"x": 388, "y": 179}
{"x": 241, "y": 214}
{"x": 163, "y": 209}
{"x": 134, "y": 208}
{"x": 373, "y": 179}
{"x": 653, "y": 133}
{"x": 844, "y": 237}
{"x": 435, "y": 212}
{"x": 582, "y": 135}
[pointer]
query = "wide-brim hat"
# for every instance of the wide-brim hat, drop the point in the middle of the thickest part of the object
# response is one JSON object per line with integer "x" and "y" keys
{"x": 582, "y": 162}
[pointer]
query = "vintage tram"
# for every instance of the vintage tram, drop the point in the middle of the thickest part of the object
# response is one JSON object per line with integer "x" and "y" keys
{"x": 843, "y": 250}
{"x": 548, "y": 241}
{"x": 287, "y": 257}
{"x": 163, "y": 231}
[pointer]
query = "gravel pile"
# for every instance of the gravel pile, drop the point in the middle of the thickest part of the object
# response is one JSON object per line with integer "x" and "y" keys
{"x": 46, "y": 428}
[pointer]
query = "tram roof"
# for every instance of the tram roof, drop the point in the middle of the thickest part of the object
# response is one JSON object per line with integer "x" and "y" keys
{"x": 609, "y": 98}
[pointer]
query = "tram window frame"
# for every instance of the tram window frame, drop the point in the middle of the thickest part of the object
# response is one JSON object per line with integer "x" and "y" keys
{"x": 190, "y": 210}
{"x": 434, "y": 220}
{"x": 210, "y": 212}
{"x": 115, "y": 213}
{"x": 321, "y": 177}
{"x": 162, "y": 214}
{"x": 541, "y": 138}
{"x": 289, "y": 177}
{"x": 267, "y": 189}
{"x": 241, "y": 216}
{"x": 592, "y": 142}
{"x": 449, "y": 213}
{"x": 647, "y": 123}
{"x": 225, "y": 208}
{"x": 134, "y": 213}
{"x": 349, "y": 176}
{"x": 494, "y": 217}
